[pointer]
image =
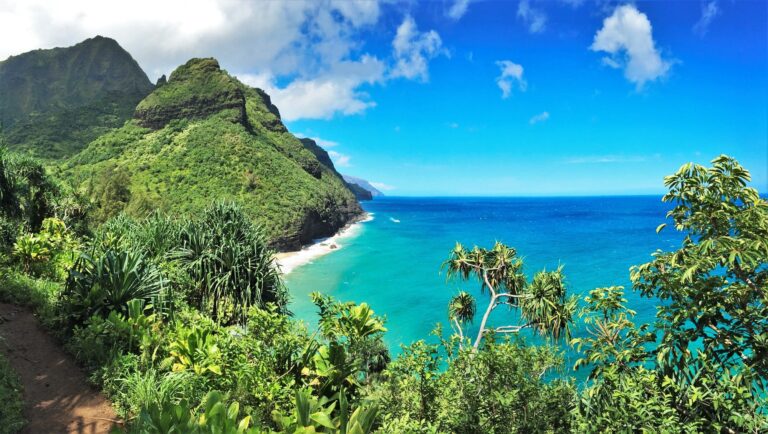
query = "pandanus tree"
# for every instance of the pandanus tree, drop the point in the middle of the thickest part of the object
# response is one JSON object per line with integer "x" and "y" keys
{"x": 231, "y": 262}
{"x": 542, "y": 303}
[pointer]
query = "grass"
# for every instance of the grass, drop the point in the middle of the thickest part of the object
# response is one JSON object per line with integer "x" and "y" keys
{"x": 38, "y": 294}
{"x": 11, "y": 418}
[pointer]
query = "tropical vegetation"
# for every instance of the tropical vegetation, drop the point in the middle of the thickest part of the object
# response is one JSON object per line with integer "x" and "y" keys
{"x": 184, "y": 325}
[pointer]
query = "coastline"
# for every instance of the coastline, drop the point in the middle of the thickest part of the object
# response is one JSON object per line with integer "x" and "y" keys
{"x": 289, "y": 261}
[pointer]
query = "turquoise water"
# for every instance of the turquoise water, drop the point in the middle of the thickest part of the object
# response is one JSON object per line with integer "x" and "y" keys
{"x": 393, "y": 262}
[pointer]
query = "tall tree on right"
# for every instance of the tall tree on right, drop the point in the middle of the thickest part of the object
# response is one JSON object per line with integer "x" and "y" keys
{"x": 711, "y": 358}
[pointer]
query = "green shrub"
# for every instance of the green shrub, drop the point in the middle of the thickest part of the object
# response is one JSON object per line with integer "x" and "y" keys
{"x": 499, "y": 388}
{"x": 107, "y": 282}
{"x": 99, "y": 340}
{"x": 214, "y": 417}
{"x": 50, "y": 252}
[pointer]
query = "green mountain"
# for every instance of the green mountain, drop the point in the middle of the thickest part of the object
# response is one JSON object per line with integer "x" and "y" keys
{"x": 323, "y": 157}
{"x": 204, "y": 135}
{"x": 54, "y": 102}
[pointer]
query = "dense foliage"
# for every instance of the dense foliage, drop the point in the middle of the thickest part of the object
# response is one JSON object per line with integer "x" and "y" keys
{"x": 707, "y": 369}
{"x": 205, "y": 135}
{"x": 183, "y": 324}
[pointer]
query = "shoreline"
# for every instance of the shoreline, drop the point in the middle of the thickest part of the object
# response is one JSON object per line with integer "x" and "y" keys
{"x": 289, "y": 261}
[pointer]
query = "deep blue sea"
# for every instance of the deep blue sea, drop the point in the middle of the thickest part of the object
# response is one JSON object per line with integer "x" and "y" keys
{"x": 393, "y": 262}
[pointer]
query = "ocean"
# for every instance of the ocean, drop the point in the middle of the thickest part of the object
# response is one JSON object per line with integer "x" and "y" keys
{"x": 393, "y": 262}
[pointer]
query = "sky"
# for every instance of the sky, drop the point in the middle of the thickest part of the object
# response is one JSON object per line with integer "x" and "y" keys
{"x": 467, "y": 97}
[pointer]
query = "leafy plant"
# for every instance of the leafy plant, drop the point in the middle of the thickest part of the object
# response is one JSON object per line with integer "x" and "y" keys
{"x": 31, "y": 250}
{"x": 195, "y": 349}
{"x": 215, "y": 418}
{"x": 107, "y": 282}
{"x": 312, "y": 415}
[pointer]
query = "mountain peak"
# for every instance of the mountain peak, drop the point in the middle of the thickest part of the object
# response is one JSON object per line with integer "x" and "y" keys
{"x": 195, "y": 90}
{"x": 195, "y": 67}
{"x": 53, "y": 101}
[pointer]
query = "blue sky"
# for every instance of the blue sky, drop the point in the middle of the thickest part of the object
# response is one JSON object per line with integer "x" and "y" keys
{"x": 468, "y": 97}
{"x": 456, "y": 135}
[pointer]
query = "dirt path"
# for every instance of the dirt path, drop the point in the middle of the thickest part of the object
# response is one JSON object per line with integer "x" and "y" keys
{"x": 57, "y": 398}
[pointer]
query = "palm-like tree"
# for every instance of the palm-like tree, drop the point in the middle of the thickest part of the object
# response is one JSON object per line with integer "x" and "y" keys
{"x": 461, "y": 310}
{"x": 542, "y": 303}
{"x": 229, "y": 258}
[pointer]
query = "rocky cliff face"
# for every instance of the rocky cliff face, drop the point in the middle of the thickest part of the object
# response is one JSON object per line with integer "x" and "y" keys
{"x": 194, "y": 91}
{"x": 53, "y": 102}
{"x": 202, "y": 136}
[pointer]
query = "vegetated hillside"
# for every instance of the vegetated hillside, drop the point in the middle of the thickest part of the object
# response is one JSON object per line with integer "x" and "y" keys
{"x": 203, "y": 136}
{"x": 54, "y": 102}
{"x": 362, "y": 184}
{"x": 323, "y": 157}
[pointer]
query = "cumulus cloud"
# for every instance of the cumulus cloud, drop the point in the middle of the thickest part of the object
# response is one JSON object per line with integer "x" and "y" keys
{"x": 709, "y": 10}
{"x": 458, "y": 9}
{"x": 339, "y": 159}
{"x": 336, "y": 91}
{"x": 534, "y": 18}
{"x": 541, "y": 117}
{"x": 511, "y": 74}
{"x": 413, "y": 50}
{"x": 310, "y": 47}
{"x": 382, "y": 186}
{"x": 627, "y": 37}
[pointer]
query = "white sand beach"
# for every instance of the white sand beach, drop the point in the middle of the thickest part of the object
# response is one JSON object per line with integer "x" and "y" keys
{"x": 289, "y": 261}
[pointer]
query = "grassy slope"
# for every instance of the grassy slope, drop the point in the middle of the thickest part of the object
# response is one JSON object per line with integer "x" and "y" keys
{"x": 185, "y": 164}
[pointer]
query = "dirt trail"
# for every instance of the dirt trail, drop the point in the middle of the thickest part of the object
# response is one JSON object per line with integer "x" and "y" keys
{"x": 57, "y": 398}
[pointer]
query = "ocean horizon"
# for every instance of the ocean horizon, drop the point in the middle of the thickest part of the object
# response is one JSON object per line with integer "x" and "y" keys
{"x": 393, "y": 262}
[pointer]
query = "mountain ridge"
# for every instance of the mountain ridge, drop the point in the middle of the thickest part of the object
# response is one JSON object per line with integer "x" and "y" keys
{"x": 54, "y": 101}
{"x": 364, "y": 185}
{"x": 204, "y": 134}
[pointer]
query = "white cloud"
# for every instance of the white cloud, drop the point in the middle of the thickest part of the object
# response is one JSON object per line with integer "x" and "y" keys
{"x": 336, "y": 91}
{"x": 535, "y": 19}
{"x": 709, "y": 10}
{"x": 541, "y": 117}
{"x": 311, "y": 48}
{"x": 382, "y": 186}
{"x": 511, "y": 74}
{"x": 627, "y": 36}
{"x": 458, "y": 9}
{"x": 413, "y": 50}
{"x": 339, "y": 159}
